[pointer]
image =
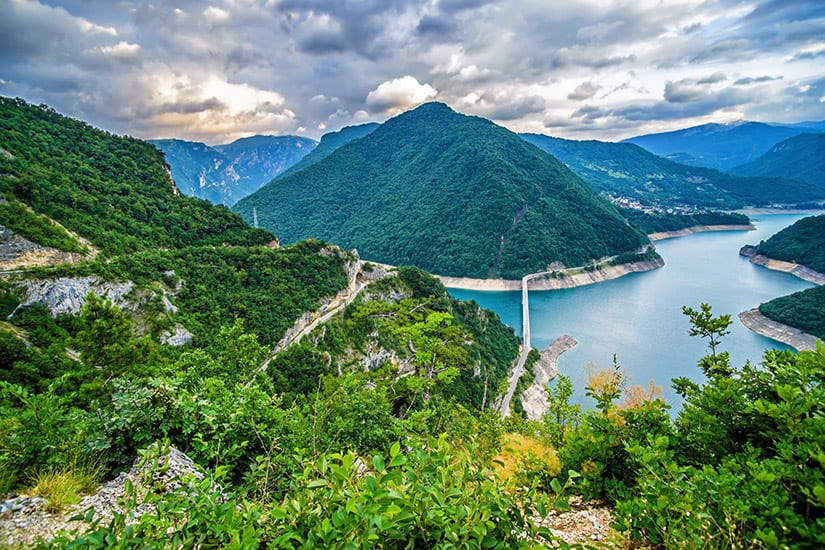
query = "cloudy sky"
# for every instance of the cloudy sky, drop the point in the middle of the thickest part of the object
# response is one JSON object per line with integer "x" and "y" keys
{"x": 603, "y": 69}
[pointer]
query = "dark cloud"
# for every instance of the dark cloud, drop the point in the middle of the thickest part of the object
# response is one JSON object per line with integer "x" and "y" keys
{"x": 732, "y": 49}
{"x": 580, "y": 58}
{"x": 190, "y": 107}
{"x": 713, "y": 78}
{"x": 807, "y": 56}
{"x": 751, "y": 80}
{"x": 583, "y": 91}
{"x": 437, "y": 25}
{"x": 683, "y": 92}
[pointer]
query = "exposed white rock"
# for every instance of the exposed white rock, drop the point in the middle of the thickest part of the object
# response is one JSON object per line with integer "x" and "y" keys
{"x": 179, "y": 336}
{"x": 68, "y": 294}
{"x": 24, "y": 520}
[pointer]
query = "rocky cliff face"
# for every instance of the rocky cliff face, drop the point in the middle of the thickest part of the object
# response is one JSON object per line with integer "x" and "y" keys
{"x": 68, "y": 294}
{"x": 17, "y": 252}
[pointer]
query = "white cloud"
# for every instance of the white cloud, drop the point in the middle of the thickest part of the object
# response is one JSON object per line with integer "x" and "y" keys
{"x": 215, "y": 16}
{"x": 122, "y": 50}
{"x": 398, "y": 95}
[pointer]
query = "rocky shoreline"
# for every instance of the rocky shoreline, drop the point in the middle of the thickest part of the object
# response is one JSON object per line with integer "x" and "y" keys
{"x": 534, "y": 398}
{"x": 769, "y": 328}
{"x": 798, "y": 270}
{"x": 571, "y": 280}
{"x": 662, "y": 235}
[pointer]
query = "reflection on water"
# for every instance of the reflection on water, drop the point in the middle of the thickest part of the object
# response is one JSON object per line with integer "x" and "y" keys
{"x": 638, "y": 317}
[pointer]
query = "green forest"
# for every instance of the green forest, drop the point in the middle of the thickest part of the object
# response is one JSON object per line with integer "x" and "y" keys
{"x": 804, "y": 310}
{"x": 654, "y": 222}
{"x": 377, "y": 428}
{"x": 802, "y": 243}
{"x": 448, "y": 193}
{"x": 114, "y": 191}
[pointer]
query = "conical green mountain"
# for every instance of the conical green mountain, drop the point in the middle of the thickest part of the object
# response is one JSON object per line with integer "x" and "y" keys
{"x": 449, "y": 193}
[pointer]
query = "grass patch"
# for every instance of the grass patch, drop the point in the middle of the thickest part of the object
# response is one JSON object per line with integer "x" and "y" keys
{"x": 63, "y": 487}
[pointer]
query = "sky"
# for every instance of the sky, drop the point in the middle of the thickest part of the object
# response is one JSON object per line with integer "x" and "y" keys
{"x": 219, "y": 70}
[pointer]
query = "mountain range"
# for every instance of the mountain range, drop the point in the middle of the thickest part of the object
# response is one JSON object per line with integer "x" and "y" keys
{"x": 722, "y": 146}
{"x": 451, "y": 194}
{"x": 801, "y": 158}
{"x": 628, "y": 170}
{"x": 223, "y": 174}
{"x": 330, "y": 142}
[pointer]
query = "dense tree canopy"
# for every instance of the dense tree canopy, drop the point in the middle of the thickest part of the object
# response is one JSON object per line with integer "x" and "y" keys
{"x": 448, "y": 193}
{"x": 114, "y": 191}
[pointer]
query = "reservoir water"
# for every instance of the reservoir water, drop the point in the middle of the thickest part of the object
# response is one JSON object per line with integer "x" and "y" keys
{"x": 638, "y": 317}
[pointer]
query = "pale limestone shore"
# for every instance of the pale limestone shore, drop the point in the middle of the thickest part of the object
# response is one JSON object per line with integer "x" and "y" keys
{"x": 662, "y": 235}
{"x": 570, "y": 280}
{"x": 534, "y": 398}
{"x": 769, "y": 328}
{"x": 798, "y": 270}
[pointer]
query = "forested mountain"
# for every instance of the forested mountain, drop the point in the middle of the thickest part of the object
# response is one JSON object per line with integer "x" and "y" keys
{"x": 223, "y": 174}
{"x": 721, "y": 146}
{"x": 628, "y": 170}
{"x": 330, "y": 142}
{"x": 116, "y": 192}
{"x": 801, "y": 158}
{"x": 451, "y": 194}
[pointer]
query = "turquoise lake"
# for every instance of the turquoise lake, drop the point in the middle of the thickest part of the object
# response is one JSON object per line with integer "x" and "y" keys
{"x": 638, "y": 317}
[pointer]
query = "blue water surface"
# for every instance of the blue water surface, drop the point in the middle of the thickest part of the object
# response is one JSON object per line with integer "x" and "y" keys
{"x": 639, "y": 317}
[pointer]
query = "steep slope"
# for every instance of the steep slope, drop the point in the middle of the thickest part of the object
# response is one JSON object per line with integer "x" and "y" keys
{"x": 802, "y": 243}
{"x": 195, "y": 167}
{"x": 116, "y": 192}
{"x": 626, "y": 169}
{"x": 719, "y": 146}
{"x": 223, "y": 174}
{"x": 448, "y": 193}
{"x": 801, "y": 157}
{"x": 330, "y": 142}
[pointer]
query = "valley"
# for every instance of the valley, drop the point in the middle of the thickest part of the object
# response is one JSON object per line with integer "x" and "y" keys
{"x": 142, "y": 321}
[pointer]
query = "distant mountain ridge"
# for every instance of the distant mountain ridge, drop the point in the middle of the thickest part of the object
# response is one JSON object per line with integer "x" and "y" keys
{"x": 449, "y": 193}
{"x": 331, "y": 142}
{"x": 223, "y": 174}
{"x": 722, "y": 146}
{"x": 627, "y": 169}
{"x": 801, "y": 157}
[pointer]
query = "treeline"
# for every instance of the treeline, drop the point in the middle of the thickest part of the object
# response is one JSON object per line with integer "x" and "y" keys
{"x": 802, "y": 243}
{"x": 655, "y": 222}
{"x": 804, "y": 310}
{"x": 114, "y": 191}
